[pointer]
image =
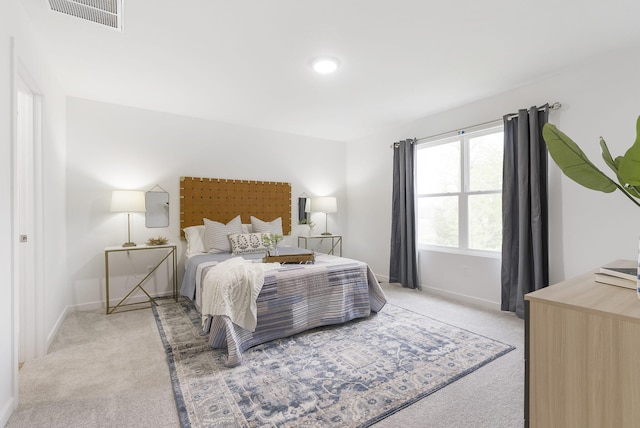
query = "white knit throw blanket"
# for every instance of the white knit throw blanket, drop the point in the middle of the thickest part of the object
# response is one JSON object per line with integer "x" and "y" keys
{"x": 231, "y": 289}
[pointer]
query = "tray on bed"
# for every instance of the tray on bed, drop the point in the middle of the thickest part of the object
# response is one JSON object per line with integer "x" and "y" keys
{"x": 308, "y": 258}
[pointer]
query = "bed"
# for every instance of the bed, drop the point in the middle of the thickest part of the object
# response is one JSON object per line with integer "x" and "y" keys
{"x": 244, "y": 302}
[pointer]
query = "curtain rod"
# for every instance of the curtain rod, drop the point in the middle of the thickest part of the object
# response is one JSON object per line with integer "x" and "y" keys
{"x": 553, "y": 106}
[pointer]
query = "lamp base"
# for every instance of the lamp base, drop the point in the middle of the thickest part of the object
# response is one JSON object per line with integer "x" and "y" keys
{"x": 129, "y": 244}
{"x": 326, "y": 233}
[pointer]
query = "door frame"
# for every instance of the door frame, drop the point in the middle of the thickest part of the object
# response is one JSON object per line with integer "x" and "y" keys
{"x": 37, "y": 343}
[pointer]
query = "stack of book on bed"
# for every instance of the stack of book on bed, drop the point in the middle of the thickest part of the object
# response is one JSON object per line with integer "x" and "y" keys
{"x": 623, "y": 273}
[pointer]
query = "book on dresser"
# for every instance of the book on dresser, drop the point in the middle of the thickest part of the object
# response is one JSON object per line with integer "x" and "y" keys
{"x": 615, "y": 280}
{"x": 623, "y": 273}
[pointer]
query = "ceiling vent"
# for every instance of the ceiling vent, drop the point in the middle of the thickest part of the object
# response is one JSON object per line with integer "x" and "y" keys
{"x": 103, "y": 12}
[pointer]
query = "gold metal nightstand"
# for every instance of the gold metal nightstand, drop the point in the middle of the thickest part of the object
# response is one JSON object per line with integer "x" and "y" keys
{"x": 170, "y": 250}
{"x": 336, "y": 242}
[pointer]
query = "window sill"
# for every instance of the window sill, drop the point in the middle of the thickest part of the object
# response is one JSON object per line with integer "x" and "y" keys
{"x": 461, "y": 251}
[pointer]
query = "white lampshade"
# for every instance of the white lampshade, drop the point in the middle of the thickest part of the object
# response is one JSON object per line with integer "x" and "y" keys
{"x": 127, "y": 201}
{"x": 324, "y": 204}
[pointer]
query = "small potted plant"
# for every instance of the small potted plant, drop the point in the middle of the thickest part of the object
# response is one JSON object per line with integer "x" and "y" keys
{"x": 271, "y": 242}
{"x": 160, "y": 240}
{"x": 309, "y": 223}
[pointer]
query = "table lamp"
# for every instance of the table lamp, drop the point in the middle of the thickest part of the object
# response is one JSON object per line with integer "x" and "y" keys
{"x": 128, "y": 201}
{"x": 326, "y": 205}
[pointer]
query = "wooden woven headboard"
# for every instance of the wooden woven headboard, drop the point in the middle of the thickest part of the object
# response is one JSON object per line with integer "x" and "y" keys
{"x": 221, "y": 200}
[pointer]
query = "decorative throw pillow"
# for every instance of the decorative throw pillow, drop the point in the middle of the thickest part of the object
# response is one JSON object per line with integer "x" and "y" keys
{"x": 195, "y": 239}
{"x": 216, "y": 234}
{"x": 274, "y": 226}
{"x": 247, "y": 243}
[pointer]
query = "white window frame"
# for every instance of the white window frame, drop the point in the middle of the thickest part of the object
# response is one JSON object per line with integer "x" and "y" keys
{"x": 464, "y": 193}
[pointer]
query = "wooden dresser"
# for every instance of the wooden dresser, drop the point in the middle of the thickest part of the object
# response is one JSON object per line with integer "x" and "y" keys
{"x": 582, "y": 355}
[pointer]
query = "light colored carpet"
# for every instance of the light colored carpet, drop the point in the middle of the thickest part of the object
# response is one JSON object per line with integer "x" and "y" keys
{"x": 491, "y": 397}
{"x": 110, "y": 371}
{"x": 101, "y": 371}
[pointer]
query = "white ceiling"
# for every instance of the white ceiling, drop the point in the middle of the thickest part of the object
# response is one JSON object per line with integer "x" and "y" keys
{"x": 248, "y": 62}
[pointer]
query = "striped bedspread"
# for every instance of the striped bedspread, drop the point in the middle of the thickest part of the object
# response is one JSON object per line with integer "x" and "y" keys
{"x": 295, "y": 298}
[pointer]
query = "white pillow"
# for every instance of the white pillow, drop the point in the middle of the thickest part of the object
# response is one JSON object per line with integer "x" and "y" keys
{"x": 246, "y": 228}
{"x": 260, "y": 226}
{"x": 247, "y": 243}
{"x": 216, "y": 235}
{"x": 195, "y": 239}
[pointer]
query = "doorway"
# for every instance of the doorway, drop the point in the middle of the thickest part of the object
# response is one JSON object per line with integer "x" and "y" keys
{"x": 27, "y": 197}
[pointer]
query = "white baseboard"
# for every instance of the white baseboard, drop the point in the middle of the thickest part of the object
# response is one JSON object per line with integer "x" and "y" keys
{"x": 7, "y": 411}
{"x": 94, "y": 306}
{"x": 471, "y": 300}
{"x": 382, "y": 278}
{"x": 56, "y": 327}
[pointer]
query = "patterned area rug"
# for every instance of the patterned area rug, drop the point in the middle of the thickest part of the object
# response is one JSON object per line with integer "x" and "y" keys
{"x": 350, "y": 375}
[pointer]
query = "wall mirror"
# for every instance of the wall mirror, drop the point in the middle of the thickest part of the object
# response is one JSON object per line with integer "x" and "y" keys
{"x": 157, "y": 208}
{"x": 304, "y": 209}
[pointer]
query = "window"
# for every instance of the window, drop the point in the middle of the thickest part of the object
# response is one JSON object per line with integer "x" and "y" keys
{"x": 459, "y": 191}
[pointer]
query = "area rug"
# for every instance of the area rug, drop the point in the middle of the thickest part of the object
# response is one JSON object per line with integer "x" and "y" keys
{"x": 351, "y": 375}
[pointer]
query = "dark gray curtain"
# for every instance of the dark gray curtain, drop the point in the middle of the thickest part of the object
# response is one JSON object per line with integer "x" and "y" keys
{"x": 402, "y": 266}
{"x": 525, "y": 225}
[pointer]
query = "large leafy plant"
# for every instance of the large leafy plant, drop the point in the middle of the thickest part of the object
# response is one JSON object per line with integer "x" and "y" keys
{"x": 575, "y": 164}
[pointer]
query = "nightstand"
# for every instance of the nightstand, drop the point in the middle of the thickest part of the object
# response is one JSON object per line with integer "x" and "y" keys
{"x": 336, "y": 242}
{"x": 166, "y": 251}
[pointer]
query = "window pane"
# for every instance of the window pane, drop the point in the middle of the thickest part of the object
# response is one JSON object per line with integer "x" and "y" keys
{"x": 438, "y": 221}
{"x": 438, "y": 169}
{"x": 485, "y": 222}
{"x": 485, "y": 158}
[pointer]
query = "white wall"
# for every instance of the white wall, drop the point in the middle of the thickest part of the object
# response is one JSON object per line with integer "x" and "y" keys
{"x": 115, "y": 147}
{"x": 587, "y": 228}
{"x": 7, "y": 361}
{"x": 15, "y": 26}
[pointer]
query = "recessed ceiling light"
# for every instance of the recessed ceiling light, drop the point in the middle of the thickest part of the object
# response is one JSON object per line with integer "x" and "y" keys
{"x": 325, "y": 65}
